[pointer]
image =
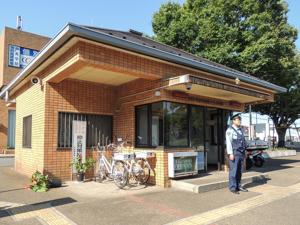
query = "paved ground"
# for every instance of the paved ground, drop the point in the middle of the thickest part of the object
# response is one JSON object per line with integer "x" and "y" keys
{"x": 215, "y": 176}
{"x": 6, "y": 161}
{"x": 276, "y": 202}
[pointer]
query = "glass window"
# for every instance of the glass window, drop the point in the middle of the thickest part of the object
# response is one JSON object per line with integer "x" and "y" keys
{"x": 99, "y": 129}
{"x": 142, "y": 120}
{"x": 157, "y": 116}
{"x": 197, "y": 127}
{"x": 27, "y": 126}
{"x": 149, "y": 125}
{"x": 176, "y": 125}
{"x": 11, "y": 128}
{"x": 170, "y": 124}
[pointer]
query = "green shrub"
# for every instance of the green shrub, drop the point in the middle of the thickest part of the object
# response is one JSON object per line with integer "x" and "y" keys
{"x": 40, "y": 182}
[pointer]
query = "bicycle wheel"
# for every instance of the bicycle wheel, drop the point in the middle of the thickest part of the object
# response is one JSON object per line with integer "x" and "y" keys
{"x": 102, "y": 173}
{"x": 120, "y": 174}
{"x": 258, "y": 161}
{"x": 144, "y": 174}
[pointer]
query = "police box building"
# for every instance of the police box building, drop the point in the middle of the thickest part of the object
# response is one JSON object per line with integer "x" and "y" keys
{"x": 123, "y": 84}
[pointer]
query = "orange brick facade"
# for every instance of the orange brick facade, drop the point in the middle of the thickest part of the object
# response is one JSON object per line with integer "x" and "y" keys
{"x": 70, "y": 95}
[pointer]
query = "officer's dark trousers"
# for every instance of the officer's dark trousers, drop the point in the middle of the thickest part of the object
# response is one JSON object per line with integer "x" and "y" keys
{"x": 236, "y": 169}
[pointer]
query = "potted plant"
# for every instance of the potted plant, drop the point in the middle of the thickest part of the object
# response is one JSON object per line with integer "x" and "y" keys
{"x": 82, "y": 167}
{"x": 40, "y": 182}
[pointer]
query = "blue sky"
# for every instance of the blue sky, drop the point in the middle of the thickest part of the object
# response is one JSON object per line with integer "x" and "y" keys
{"x": 48, "y": 17}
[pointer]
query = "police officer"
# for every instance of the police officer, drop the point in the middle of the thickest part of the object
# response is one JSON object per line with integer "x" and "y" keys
{"x": 236, "y": 150}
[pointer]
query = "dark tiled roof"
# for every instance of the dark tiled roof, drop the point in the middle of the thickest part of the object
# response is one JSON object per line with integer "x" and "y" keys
{"x": 137, "y": 37}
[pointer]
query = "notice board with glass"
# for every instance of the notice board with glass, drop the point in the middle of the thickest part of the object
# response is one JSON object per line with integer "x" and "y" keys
{"x": 182, "y": 164}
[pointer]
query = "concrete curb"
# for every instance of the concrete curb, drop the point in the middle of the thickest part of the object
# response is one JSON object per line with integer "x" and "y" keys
{"x": 277, "y": 154}
{"x": 7, "y": 155}
{"x": 216, "y": 185}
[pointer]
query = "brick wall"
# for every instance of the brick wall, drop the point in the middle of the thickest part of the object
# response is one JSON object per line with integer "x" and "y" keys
{"x": 71, "y": 96}
{"x": 2, "y": 46}
{"x": 31, "y": 102}
{"x": 19, "y": 38}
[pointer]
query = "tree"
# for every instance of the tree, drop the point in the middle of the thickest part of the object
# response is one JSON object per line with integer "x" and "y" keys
{"x": 248, "y": 35}
{"x": 286, "y": 108}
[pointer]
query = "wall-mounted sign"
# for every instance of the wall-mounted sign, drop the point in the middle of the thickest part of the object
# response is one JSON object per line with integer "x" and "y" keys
{"x": 79, "y": 140}
{"x": 20, "y": 57}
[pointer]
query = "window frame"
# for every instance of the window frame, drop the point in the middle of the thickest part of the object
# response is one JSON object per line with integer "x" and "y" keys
{"x": 188, "y": 127}
{"x": 81, "y": 115}
{"x": 149, "y": 123}
{"x": 149, "y": 127}
{"x": 203, "y": 108}
{"x": 24, "y": 143}
{"x": 9, "y": 129}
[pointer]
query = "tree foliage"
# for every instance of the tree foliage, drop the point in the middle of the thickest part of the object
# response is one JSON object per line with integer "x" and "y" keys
{"x": 248, "y": 35}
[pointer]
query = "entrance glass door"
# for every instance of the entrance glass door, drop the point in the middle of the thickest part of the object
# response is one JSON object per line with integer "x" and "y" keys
{"x": 215, "y": 127}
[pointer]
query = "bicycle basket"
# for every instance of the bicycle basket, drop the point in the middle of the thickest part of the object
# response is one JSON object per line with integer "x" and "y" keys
{"x": 123, "y": 156}
{"x": 144, "y": 155}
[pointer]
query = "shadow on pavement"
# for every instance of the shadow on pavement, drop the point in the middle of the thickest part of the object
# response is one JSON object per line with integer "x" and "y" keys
{"x": 36, "y": 206}
{"x": 16, "y": 189}
{"x": 256, "y": 183}
{"x": 275, "y": 164}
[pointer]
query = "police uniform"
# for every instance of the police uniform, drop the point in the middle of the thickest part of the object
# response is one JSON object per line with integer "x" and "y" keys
{"x": 235, "y": 145}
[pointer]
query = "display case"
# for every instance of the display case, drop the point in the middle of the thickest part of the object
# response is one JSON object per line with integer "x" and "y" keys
{"x": 182, "y": 164}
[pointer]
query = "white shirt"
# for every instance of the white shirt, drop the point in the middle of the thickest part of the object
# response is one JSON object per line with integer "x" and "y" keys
{"x": 230, "y": 135}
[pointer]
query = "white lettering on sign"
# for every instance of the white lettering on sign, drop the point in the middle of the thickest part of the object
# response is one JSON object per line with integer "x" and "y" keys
{"x": 79, "y": 140}
{"x": 19, "y": 56}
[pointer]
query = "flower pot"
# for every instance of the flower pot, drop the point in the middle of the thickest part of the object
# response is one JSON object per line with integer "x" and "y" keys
{"x": 55, "y": 183}
{"x": 80, "y": 177}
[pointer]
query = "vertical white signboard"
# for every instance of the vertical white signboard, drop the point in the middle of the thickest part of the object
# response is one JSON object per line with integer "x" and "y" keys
{"x": 79, "y": 140}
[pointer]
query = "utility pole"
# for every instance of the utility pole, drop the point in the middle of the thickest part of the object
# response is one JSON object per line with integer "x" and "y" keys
{"x": 250, "y": 119}
{"x": 273, "y": 135}
{"x": 297, "y": 131}
{"x": 269, "y": 130}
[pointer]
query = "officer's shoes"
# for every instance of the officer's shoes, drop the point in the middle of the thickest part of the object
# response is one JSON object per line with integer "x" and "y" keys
{"x": 243, "y": 189}
{"x": 235, "y": 192}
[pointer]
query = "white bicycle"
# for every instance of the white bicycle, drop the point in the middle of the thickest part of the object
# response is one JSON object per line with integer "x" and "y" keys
{"x": 114, "y": 169}
{"x": 124, "y": 166}
{"x": 139, "y": 168}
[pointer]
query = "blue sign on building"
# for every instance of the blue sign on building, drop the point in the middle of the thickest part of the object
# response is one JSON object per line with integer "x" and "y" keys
{"x": 20, "y": 57}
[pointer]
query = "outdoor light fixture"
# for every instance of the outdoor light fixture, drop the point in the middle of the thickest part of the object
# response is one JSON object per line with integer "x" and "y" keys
{"x": 35, "y": 80}
{"x": 157, "y": 93}
{"x": 237, "y": 81}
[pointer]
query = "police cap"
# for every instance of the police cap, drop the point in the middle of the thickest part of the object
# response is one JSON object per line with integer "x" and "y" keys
{"x": 237, "y": 115}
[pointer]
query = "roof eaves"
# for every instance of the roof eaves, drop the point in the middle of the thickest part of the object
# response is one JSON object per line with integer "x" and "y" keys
{"x": 157, "y": 53}
{"x": 71, "y": 29}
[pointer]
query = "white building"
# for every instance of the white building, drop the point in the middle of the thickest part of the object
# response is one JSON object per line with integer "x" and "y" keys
{"x": 263, "y": 128}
